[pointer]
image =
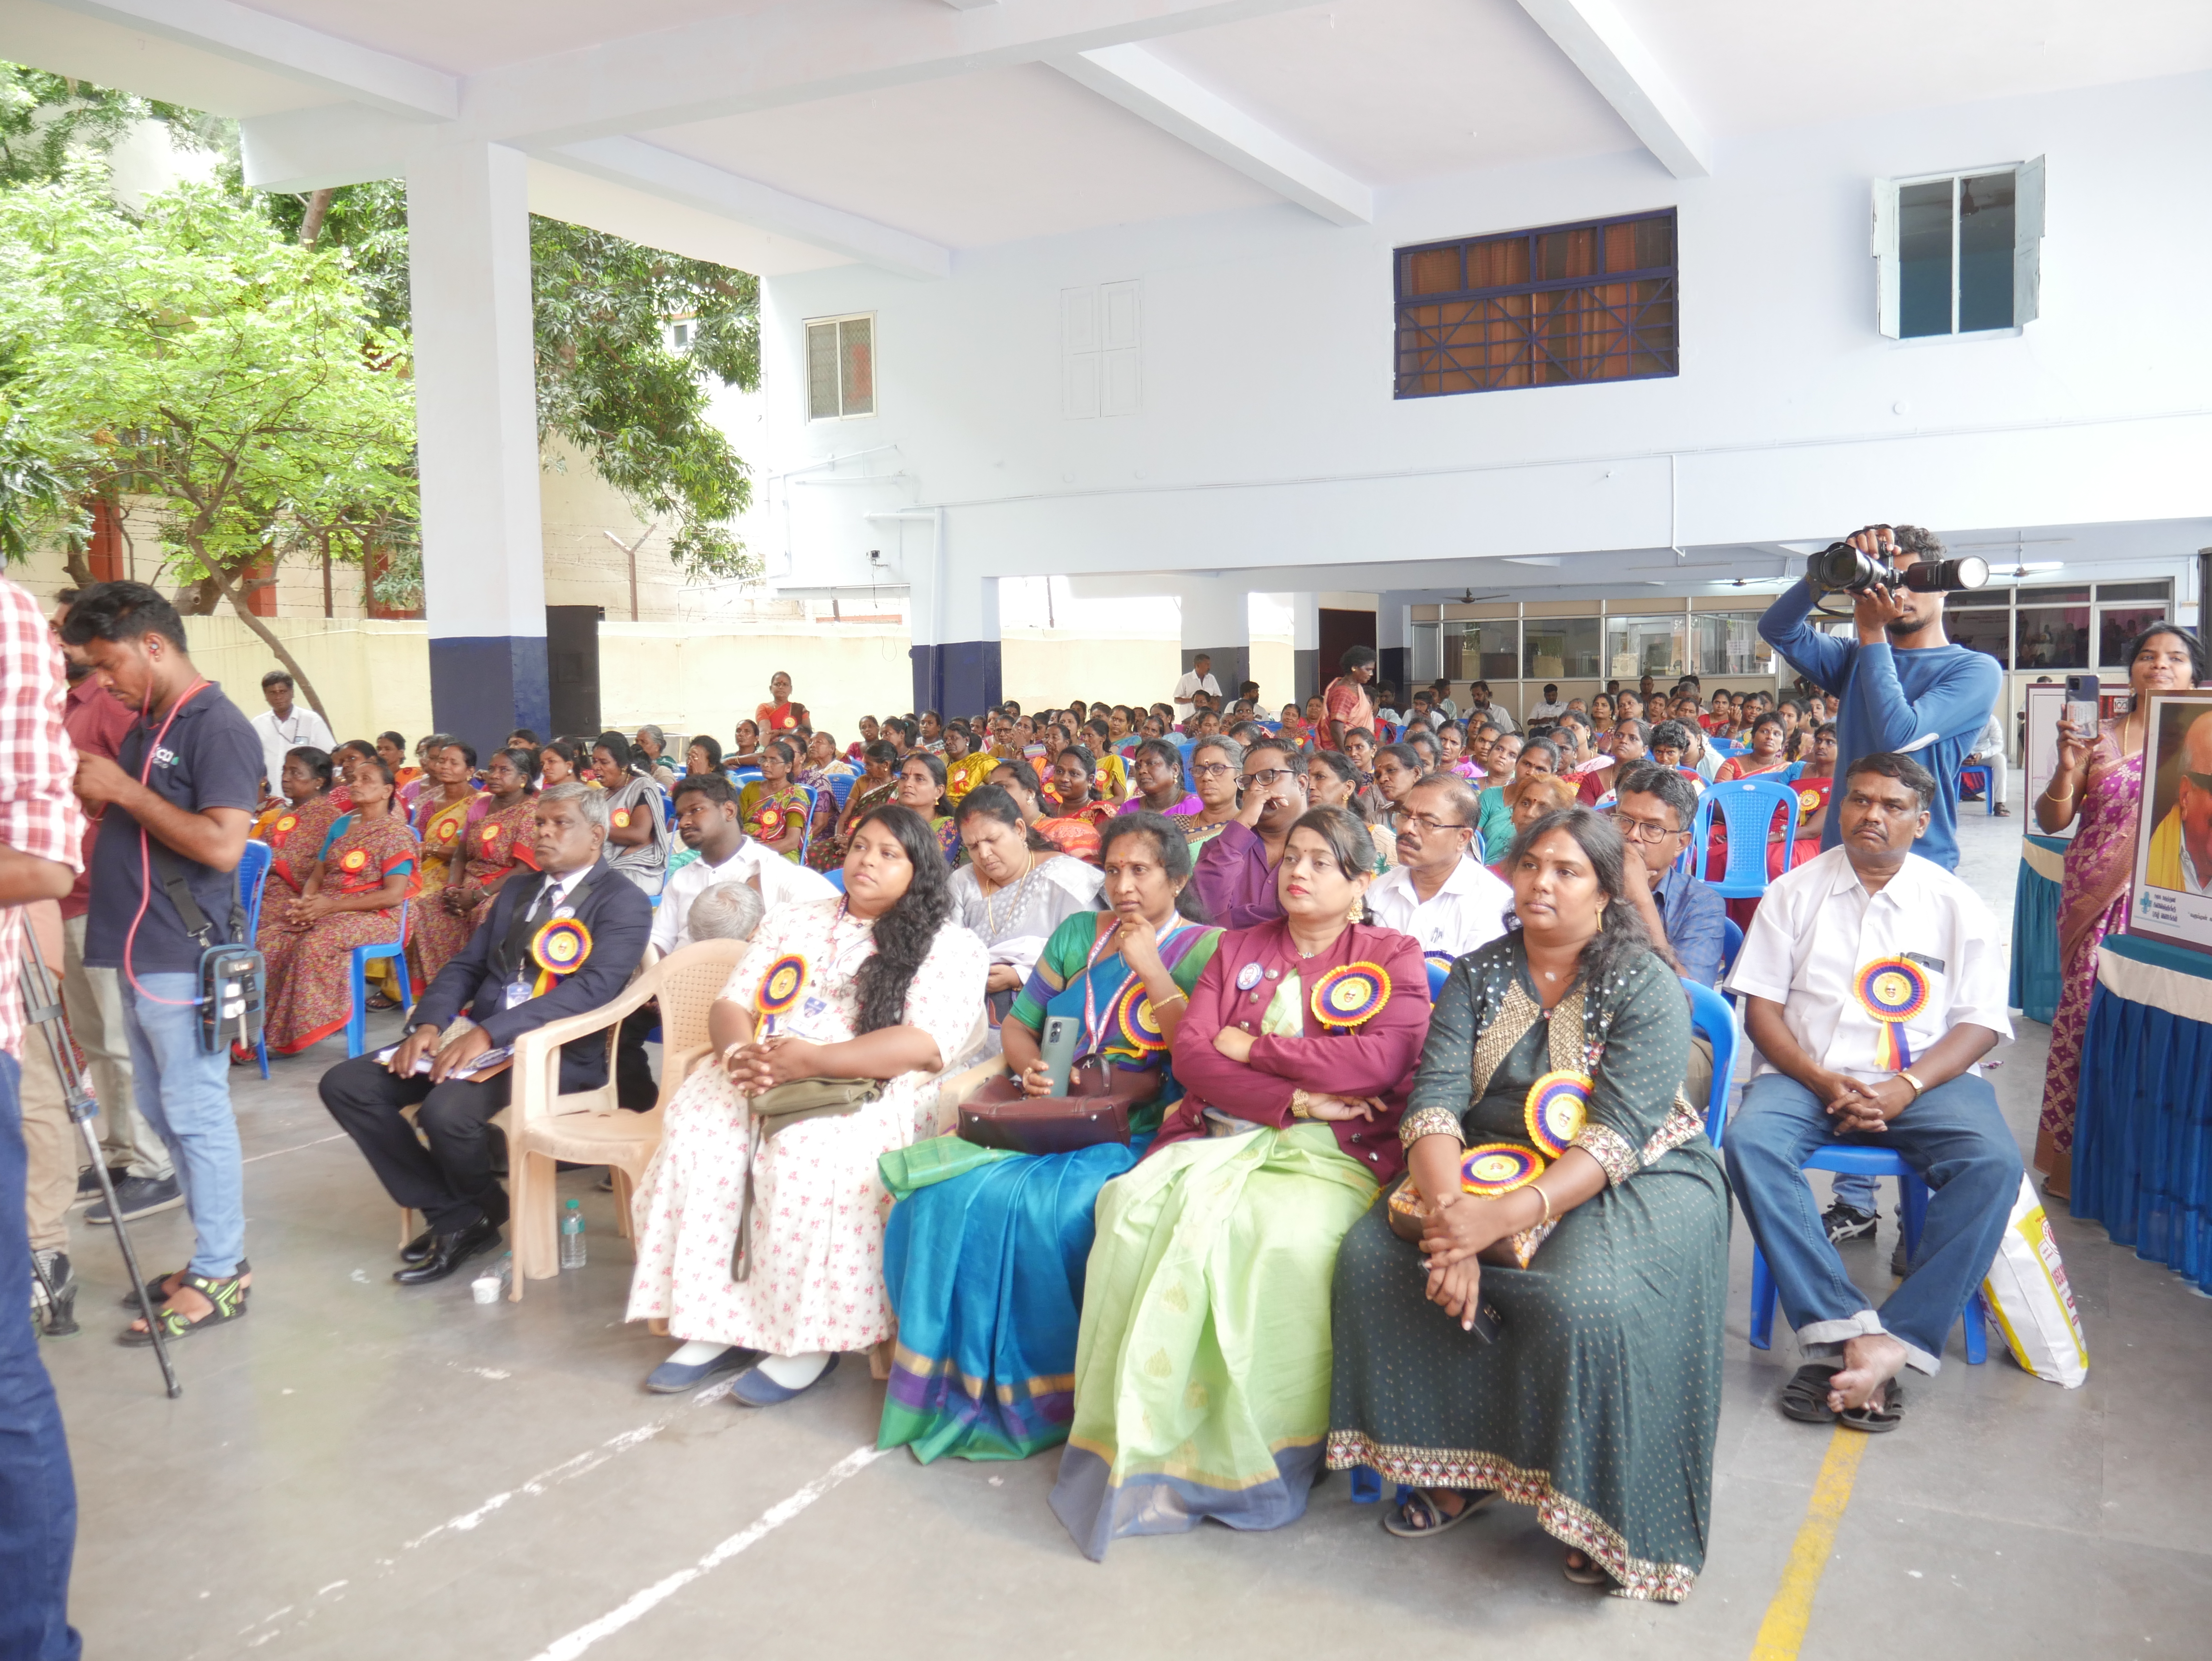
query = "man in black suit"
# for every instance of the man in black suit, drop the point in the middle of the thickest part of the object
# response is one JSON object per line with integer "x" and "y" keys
{"x": 451, "y": 1181}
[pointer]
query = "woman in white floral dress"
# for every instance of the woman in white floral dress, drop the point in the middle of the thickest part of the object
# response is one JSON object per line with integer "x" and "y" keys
{"x": 888, "y": 987}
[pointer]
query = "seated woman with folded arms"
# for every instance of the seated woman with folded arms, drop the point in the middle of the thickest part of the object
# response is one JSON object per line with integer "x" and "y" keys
{"x": 985, "y": 1252}
{"x": 298, "y": 826}
{"x": 1597, "y": 1397}
{"x": 1201, "y": 1373}
{"x": 355, "y": 895}
{"x": 499, "y": 844}
{"x": 754, "y": 1235}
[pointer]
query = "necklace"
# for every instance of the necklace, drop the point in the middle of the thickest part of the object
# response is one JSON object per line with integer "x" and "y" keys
{"x": 1012, "y": 894}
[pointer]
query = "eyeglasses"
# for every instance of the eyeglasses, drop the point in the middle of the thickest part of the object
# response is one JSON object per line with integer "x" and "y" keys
{"x": 1424, "y": 823}
{"x": 1636, "y": 830}
{"x": 1268, "y": 777}
{"x": 1209, "y": 769}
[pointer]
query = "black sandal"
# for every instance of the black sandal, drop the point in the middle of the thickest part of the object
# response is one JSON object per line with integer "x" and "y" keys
{"x": 1431, "y": 1519}
{"x": 1877, "y": 1418}
{"x": 1589, "y": 1574}
{"x": 227, "y": 1295}
{"x": 1805, "y": 1397}
{"x": 130, "y": 1299}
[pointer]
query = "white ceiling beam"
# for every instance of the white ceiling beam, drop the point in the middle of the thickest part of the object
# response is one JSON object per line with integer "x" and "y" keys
{"x": 679, "y": 178}
{"x": 801, "y": 51}
{"x": 264, "y": 41}
{"x": 1147, "y": 86}
{"x": 1613, "y": 59}
{"x": 970, "y": 5}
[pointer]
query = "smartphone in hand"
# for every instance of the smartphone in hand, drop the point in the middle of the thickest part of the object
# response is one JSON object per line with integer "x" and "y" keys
{"x": 2083, "y": 705}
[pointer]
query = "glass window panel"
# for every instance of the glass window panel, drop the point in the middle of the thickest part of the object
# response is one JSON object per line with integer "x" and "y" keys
{"x": 2158, "y": 591}
{"x": 1498, "y": 264}
{"x": 2052, "y": 596}
{"x": 1988, "y": 629}
{"x": 857, "y": 353}
{"x": 1561, "y": 648}
{"x": 1728, "y": 644}
{"x": 1428, "y": 654}
{"x": 821, "y": 371}
{"x": 1985, "y": 244}
{"x": 1482, "y": 649}
{"x": 1924, "y": 259}
{"x": 1654, "y": 243}
{"x": 1432, "y": 270}
{"x": 1650, "y": 645}
{"x": 2052, "y": 637}
{"x": 2118, "y": 624}
{"x": 1567, "y": 253}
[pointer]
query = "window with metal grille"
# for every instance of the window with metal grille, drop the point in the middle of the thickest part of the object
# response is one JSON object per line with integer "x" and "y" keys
{"x": 841, "y": 368}
{"x": 1548, "y": 308}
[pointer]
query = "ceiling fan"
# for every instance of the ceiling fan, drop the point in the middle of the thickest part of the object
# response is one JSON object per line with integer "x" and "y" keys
{"x": 1469, "y": 597}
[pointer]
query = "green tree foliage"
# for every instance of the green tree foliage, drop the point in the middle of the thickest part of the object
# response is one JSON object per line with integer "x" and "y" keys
{"x": 47, "y": 119}
{"x": 198, "y": 356}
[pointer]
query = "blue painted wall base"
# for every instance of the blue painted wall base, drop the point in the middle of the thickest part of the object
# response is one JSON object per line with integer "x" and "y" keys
{"x": 961, "y": 678}
{"x": 484, "y": 686}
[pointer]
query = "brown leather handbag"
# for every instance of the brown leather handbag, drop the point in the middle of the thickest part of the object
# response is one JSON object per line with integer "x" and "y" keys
{"x": 1096, "y": 1111}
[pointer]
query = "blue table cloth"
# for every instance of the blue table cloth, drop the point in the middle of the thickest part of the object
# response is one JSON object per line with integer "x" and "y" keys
{"x": 2035, "y": 968}
{"x": 2142, "y": 1129}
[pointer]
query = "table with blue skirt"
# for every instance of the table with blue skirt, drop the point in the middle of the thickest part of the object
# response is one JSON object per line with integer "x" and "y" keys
{"x": 2142, "y": 1127}
{"x": 2035, "y": 967}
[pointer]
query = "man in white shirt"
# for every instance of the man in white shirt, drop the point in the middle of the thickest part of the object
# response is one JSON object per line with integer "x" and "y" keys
{"x": 1199, "y": 677}
{"x": 284, "y": 726}
{"x": 1989, "y": 752}
{"x": 1548, "y": 707}
{"x": 1436, "y": 893}
{"x": 1480, "y": 708}
{"x": 707, "y": 820}
{"x": 1874, "y": 980}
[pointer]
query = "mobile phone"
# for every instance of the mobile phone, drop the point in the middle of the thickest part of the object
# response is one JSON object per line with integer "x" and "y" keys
{"x": 1061, "y": 1034}
{"x": 2082, "y": 702}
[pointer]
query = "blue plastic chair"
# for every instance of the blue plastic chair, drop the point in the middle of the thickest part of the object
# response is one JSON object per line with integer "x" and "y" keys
{"x": 1184, "y": 748}
{"x": 745, "y": 776}
{"x": 1438, "y": 973}
{"x": 356, "y": 1029}
{"x": 1731, "y": 943}
{"x": 1747, "y": 807}
{"x": 1711, "y": 1015}
{"x": 1977, "y": 775}
{"x": 252, "y": 883}
{"x": 841, "y": 786}
{"x": 836, "y": 879}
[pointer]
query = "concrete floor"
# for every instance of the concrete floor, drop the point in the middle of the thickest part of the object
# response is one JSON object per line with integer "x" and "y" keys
{"x": 364, "y": 1472}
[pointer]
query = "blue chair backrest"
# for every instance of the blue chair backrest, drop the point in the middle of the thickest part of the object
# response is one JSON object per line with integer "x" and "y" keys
{"x": 813, "y": 795}
{"x": 1710, "y": 1014}
{"x": 836, "y": 877}
{"x": 253, "y": 879}
{"x": 841, "y": 786}
{"x": 745, "y": 776}
{"x": 1438, "y": 973}
{"x": 1731, "y": 943}
{"x": 1747, "y": 807}
{"x": 1184, "y": 747}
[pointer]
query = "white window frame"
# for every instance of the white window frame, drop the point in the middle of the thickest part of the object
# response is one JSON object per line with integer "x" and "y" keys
{"x": 807, "y": 326}
{"x": 2026, "y": 248}
{"x": 1102, "y": 350}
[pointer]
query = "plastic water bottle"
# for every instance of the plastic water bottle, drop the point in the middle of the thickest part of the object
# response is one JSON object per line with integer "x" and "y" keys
{"x": 572, "y": 1236}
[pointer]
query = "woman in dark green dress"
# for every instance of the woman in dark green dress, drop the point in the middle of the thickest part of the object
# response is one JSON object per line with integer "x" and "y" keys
{"x": 1598, "y": 1399}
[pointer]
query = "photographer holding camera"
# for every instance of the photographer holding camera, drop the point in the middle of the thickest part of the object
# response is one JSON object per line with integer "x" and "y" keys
{"x": 1905, "y": 689}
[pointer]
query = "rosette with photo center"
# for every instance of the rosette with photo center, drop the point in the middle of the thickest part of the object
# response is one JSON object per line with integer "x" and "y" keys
{"x": 1557, "y": 1104}
{"x": 1350, "y": 993}
{"x": 1497, "y": 1168}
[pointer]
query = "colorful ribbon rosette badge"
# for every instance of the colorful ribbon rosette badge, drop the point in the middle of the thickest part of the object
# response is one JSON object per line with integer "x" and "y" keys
{"x": 286, "y": 823}
{"x": 768, "y": 822}
{"x": 621, "y": 817}
{"x": 559, "y": 949}
{"x": 1807, "y": 800}
{"x": 354, "y": 861}
{"x": 1893, "y": 990}
{"x": 1497, "y": 1168}
{"x": 1558, "y": 1103}
{"x": 1138, "y": 1022}
{"x": 489, "y": 835}
{"x": 1349, "y": 994}
{"x": 780, "y": 988}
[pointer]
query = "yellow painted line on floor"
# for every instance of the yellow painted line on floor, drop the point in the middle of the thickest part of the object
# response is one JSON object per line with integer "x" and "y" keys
{"x": 1784, "y": 1630}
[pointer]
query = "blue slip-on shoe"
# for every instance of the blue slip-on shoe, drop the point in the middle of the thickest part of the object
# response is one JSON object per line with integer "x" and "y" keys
{"x": 669, "y": 1380}
{"x": 755, "y": 1389}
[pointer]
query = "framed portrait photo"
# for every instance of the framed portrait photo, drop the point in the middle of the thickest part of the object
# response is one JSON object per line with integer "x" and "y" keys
{"x": 2172, "y": 896}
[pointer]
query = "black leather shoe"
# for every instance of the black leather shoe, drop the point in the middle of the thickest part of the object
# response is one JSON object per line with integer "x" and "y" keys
{"x": 419, "y": 1247}
{"x": 447, "y": 1252}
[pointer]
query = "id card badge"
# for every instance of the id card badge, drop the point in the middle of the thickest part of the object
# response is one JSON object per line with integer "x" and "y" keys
{"x": 517, "y": 992}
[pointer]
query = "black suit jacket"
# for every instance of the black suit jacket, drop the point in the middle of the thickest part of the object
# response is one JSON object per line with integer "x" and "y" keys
{"x": 619, "y": 918}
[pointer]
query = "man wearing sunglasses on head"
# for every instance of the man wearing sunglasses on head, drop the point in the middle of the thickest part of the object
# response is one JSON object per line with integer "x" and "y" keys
{"x": 1235, "y": 876}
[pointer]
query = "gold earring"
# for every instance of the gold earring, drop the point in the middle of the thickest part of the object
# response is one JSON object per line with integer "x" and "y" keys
{"x": 1357, "y": 906}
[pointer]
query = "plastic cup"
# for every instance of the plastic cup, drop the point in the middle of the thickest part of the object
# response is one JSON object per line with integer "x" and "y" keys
{"x": 485, "y": 1288}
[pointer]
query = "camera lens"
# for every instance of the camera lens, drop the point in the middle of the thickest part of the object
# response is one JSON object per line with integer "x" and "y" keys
{"x": 1840, "y": 565}
{"x": 1948, "y": 575}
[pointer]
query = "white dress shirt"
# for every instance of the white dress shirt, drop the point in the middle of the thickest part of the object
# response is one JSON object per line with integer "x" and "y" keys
{"x": 1544, "y": 711}
{"x": 1817, "y": 929}
{"x": 1469, "y": 911}
{"x": 302, "y": 725}
{"x": 781, "y": 883}
{"x": 1193, "y": 683}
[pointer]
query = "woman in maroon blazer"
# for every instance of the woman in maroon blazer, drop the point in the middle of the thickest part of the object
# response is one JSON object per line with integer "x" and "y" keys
{"x": 1202, "y": 1373}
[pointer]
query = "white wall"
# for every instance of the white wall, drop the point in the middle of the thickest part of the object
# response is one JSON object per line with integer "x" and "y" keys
{"x": 1268, "y": 434}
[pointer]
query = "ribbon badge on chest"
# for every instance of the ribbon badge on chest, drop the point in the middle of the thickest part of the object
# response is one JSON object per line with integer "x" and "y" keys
{"x": 621, "y": 817}
{"x": 1807, "y": 800}
{"x": 559, "y": 949}
{"x": 1558, "y": 1103}
{"x": 780, "y": 988}
{"x": 1350, "y": 995}
{"x": 1893, "y": 990}
{"x": 287, "y": 823}
{"x": 489, "y": 835}
{"x": 1139, "y": 1021}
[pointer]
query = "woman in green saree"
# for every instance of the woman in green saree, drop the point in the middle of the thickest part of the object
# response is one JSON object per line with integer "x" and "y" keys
{"x": 1597, "y": 1400}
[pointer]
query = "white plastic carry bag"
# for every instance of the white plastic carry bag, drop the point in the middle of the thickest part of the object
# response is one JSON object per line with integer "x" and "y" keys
{"x": 2029, "y": 1299}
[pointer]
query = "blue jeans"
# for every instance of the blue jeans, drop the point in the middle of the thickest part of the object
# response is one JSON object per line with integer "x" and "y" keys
{"x": 1952, "y": 1138}
{"x": 38, "y": 1496}
{"x": 1859, "y": 1193}
{"x": 185, "y": 1096}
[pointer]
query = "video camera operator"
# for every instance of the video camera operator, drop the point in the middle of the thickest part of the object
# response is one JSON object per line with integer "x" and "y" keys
{"x": 179, "y": 800}
{"x": 1905, "y": 689}
{"x": 41, "y": 833}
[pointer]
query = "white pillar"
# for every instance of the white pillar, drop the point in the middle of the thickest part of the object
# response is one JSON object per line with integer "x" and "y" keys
{"x": 953, "y": 623}
{"x": 483, "y": 550}
{"x": 1306, "y": 646}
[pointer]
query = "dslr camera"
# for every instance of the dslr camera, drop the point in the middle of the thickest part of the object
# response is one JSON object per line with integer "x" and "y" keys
{"x": 1841, "y": 568}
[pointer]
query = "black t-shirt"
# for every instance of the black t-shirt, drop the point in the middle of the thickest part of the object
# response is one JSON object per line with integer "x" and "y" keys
{"x": 209, "y": 758}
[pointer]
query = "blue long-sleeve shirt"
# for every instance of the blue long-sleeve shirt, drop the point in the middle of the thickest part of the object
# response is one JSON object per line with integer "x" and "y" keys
{"x": 1930, "y": 703}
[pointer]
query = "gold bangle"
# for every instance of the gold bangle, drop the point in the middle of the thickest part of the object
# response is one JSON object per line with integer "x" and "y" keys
{"x": 1918, "y": 1088}
{"x": 1545, "y": 1221}
{"x": 1178, "y": 997}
